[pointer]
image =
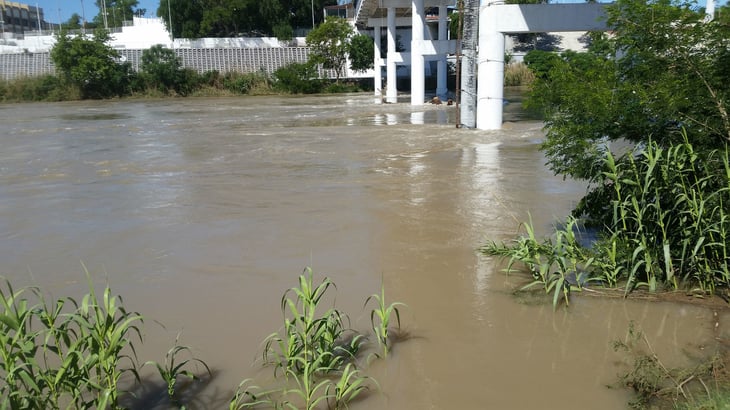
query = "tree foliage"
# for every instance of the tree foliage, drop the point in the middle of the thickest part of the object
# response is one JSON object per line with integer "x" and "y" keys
{"x": 231, "y": 18}
{"x": 361, "y": 52}
{"x": 117, "y": 12}
{"x": 91, "y": 65}
{"x": 330, "y": 43}
{"x": 161, "y": 69}
{"x": 661, "y": 72}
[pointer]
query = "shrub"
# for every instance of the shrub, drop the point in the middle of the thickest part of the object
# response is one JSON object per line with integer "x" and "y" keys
{"x": 297, "y": 78}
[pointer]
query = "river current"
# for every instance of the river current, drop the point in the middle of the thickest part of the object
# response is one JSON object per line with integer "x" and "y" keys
{"x": 201, "y": 213}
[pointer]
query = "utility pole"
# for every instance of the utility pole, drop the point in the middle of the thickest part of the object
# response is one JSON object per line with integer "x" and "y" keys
{"x": 83, "y": 18}
{"x": 710, "y": 10}
{"x": 312, "y": 13}
{"x": 38, "y": 17}
{"x": 103, "y": 13}
{"x": 169, "y": 21}
{"x": 2, "y": 20}
{"x": 469, "y": 64}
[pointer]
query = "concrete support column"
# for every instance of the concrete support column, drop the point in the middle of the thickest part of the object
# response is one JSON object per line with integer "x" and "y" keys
{"x": 710, "y": 10}
{"x": 377, "y": 65}
{"x": 418, "y": 66}
{"x": 391, "y": 90}
{"x": 490, "y": 87}
{"x": 441, "y": 69}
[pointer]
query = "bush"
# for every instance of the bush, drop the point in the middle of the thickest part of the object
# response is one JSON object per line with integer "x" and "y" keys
{"x": 161, "y": 68}
{"x": 541, "y": 62}
{"x": 297, "y": 78}
{"x": 244, "y": 83}
{"x": 41, "y": 88}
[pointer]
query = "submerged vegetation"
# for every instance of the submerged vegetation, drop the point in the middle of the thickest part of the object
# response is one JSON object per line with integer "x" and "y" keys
{"x": 664, "y": 225}
{"x": 696, "y": 386}
{"x": 659, "y": 210}
{"x": 73, "y": 354}
{"x": 316, "y": 356}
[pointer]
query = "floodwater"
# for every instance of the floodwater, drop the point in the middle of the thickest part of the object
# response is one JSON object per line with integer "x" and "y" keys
{"x": 202, "y": 212}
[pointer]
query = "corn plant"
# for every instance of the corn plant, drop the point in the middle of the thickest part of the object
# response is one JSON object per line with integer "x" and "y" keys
{"x": 381, "y": 317}
{"x": 306, "y": 334}
{"x": 19, "y": 387}
{"x": 107, "y": 327}
{"x": 67, "y": 354}
{"x": 350, "y": 385}
{"x": 249, "y": 396}
{"x": 172, "y": 370}
{"x": 315, "y": 353}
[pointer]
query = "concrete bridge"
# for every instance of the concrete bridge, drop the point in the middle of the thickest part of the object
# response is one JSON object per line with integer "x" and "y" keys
{"x": 495, "y": 21}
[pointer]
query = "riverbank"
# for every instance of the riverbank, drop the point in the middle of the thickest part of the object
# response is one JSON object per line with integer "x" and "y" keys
{"x": 51, "y": 88}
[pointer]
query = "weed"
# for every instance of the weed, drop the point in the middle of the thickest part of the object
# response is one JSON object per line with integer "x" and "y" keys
{"x": 560, "y": 267}
{"x": 655, "y": 383}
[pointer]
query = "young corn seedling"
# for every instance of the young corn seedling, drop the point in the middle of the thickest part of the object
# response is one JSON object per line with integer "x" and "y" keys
{"x": 380, "y": 318}
{"x": 171, "y": 371}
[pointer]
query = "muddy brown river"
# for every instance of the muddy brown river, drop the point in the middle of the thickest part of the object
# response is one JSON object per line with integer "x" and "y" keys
{"x": 202, "y": 212}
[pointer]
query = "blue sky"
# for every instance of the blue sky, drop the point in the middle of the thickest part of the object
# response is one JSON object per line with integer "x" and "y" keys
{"x": 53, "y": 8}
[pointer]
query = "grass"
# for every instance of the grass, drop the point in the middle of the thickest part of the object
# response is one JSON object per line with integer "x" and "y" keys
{"x": 517, "y": 74}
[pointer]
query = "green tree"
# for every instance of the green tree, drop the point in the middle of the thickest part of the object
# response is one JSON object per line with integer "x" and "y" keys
{"x": 182, "y": 17}
{"x": 661, "y": 73}
{"x": 74, "y": 22}
{"x": 330, "y": 43}
{"x": 91, "y": 65}
{"x": 161, "y": 68}
{"x": 117, "y": 12}
{"x": 361, "y": 52}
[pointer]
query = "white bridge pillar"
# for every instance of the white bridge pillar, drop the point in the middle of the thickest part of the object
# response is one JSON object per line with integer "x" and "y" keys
{"x": 490, "y": 89}
{"x": 441, "y": 70}
{"x": 418, "y": 66}
{"x": 497, "y": 19}
{"x": 391, "y": 90}
{"x": 377, "y": 66}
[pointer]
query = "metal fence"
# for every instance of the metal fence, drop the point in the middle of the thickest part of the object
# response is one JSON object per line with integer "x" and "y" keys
{"x": 25, "y": 65}
{"x": 244, "y": 60}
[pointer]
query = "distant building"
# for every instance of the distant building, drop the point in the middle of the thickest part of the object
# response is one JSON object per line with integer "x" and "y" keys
{"x": 346, "y": 11}
{"x": 17, "y": 18}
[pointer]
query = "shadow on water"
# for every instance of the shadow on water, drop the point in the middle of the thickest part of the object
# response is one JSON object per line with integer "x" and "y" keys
{"x": 151, "y": 394}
